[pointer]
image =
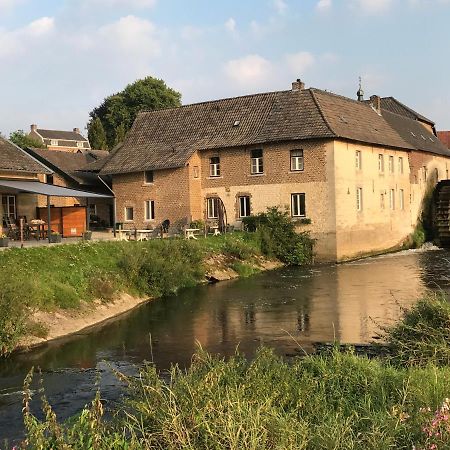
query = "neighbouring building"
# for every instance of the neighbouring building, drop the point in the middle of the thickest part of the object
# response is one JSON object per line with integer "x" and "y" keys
{"x": 352, "y": 173}
{"x": 68, "y": 141}
{"x": 444, "y": 137}
{"x": 71, "y": 170}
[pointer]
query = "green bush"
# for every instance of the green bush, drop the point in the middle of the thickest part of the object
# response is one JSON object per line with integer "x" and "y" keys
{"x": 418, "y": 236}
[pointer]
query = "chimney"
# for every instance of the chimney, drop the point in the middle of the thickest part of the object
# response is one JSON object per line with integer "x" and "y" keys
{"x": 76, "y": 130}
{"x": 298, "y": 85}
{"x": 375, "y": 101}
{"x": 33, "y": 127}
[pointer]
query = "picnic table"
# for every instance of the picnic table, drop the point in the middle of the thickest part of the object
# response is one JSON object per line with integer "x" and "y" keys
{"x": 143, "y": 235}
{"x": 190, "y": 233}
{"x": 123, "y": 235}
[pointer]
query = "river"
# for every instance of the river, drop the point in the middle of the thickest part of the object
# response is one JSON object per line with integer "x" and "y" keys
{"x": 286, "y": 309}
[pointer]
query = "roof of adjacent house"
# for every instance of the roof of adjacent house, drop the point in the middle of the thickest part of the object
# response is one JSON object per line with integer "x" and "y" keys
{"x": 415, "y": 133}
{"x": 167, "y": 138}
{"x": 58, "y": 134}
{"x": 14, "y": 159}
{"x": 391, "y": 104}
{"x": 70, "y": 165}
{"x": 444, "y": 137}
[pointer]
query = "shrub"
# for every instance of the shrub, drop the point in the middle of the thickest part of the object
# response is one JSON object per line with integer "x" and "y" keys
{"x": 418, "y": 236}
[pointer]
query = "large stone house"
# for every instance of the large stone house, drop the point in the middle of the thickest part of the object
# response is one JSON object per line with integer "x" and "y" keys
{"x": 69, "y": 141}
{"x": 357, "y": 170}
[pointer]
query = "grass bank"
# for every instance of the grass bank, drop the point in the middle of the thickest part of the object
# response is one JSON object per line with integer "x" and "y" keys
{"x": 336, "y": 401}
{"x": 72, "y": 277}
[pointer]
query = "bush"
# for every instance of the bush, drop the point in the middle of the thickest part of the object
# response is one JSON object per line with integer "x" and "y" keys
{"x": 418, "y": 236}
{"x": 422, "y": 336}
{"x": 278, "y": 238}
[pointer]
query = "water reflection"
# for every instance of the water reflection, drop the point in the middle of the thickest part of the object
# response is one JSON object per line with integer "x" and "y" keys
{"x": 283, "y": 309}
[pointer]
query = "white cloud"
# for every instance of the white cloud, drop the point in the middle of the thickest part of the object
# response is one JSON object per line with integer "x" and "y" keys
{"x": 40, "y": 27}
{"x": 300, "y": 62}
{"x": 6, "y": 5}
{"x": 372, "y": 6}
{"x": 141, "y": 4}
{"x": 190, "y": 32}
{"x": 230, "y": 25}
{"x": 324, "y": 5}
{"x": 249, "y": 70}
{"x": 280, "y": 6}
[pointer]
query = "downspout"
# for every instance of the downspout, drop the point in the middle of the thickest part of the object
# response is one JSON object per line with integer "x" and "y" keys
{"x": 114, "y": 203}
{"x": 49, "y": 218}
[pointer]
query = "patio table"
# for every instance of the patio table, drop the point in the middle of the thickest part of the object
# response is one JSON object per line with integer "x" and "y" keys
{"x": 143, "y": 235}
{"x": 190, "y": 233}
{"x": 123, "y": 235}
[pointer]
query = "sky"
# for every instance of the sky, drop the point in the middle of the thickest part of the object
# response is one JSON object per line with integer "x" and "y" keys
{"x": 60, "y": 58}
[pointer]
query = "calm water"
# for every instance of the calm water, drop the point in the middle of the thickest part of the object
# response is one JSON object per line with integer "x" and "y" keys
{"x": 284, "y": 309}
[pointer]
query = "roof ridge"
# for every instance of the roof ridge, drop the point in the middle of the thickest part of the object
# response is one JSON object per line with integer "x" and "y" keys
{"x": 206, "y": 102}
{"x": 319, "y": 107}
{"x": 412, "y": 111}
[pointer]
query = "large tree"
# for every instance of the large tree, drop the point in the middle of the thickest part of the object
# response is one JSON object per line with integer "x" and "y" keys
{"x": 22, "y": 140}
{"x": 97, "y": 135}
{"x": 117, "y": 112}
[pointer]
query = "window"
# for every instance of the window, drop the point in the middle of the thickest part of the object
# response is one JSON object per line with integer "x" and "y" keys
{"x": 359, "y": 199}
{"x": 196, "y": 172}
{"x": 49, "y": 179}
{"x": 214, "y": 166}
{"x": 400, "y": 165}
{"x": 149, "y": 210}
{"x": 92, "y": 210}
{"x": 297, "y": 162}
{"x": 381, "y": 163}
{"x": 298, "y": 205}
{"x": 436, "y": 173}
{"x": 9, "y": 206}
{"x": 391, "y": 164}
{"x": 80, "y": 144}
{"x": 425, "y": 173}
{"x": 382, "y": 200}
{"x": 392, "y": 199}
{"x": 358, "y": 160}
{"x": 213, "y": 208}
{"x": 129, "y": 214}
{"x": 244, "y": 206}
{"x": 148, "y": 176}
{"x": 401, "y": 197}
{"x": 257, "y": 161}
{"x": 54, "y": 142}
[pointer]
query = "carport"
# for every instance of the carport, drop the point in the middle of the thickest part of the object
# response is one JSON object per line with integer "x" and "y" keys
{"x": 48, "y": 190}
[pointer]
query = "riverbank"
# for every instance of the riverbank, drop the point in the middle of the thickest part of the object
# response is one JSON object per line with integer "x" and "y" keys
{"x": 51, "y": 292}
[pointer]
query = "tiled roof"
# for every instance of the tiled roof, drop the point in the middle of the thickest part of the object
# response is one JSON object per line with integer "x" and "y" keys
{"x": 14, "y": 159}
{"x": 66, "y": 163}
{"x": 63, "y": 135}
{"x": 415, "y": 134}
{"x": 444, "y": 137}
{"x": 392, "y": 105}
{"x": 167, "y": 138}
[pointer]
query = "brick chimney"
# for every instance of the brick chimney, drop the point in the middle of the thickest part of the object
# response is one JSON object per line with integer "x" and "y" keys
{"x": 375, "y": 101}
{"x": 76, "y": 130}
{"x": 298, "y": 85}
{"x": 33, "y": 127}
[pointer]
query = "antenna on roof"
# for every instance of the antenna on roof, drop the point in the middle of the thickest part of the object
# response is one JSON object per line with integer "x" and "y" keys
{"x": 360, "y": 92}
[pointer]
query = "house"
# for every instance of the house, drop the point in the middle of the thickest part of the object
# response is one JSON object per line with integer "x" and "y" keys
{"x": 444, "y": 137}
{"x": 68, "y": 141}
{"x": 352, "y": 173}
{"x": 70, "y": 170}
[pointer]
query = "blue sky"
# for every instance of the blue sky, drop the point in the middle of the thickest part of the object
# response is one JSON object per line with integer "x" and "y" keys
{"x": 60, "y": 58}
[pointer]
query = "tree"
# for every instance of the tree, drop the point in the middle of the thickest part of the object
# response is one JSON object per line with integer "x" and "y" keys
{"x": 97, "y": 135}
{"x": 117, "y": 112}
{"x": 22, "y": 140}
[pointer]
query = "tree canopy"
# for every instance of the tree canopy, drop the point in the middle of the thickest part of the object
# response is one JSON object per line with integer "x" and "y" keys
{"x": 117, "y": 112}
{"x": 22, "y": 140}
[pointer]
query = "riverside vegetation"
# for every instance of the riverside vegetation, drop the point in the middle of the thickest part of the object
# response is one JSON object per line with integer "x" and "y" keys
{"x": 66, "y": 276}
{"x": 334, "y": 401}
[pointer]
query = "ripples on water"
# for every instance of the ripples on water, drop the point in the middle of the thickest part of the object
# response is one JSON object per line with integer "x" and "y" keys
{"x": 279, "y": 309}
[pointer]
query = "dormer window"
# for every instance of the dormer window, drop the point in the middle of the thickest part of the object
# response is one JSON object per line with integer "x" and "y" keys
{"x": 80, "y": 144}
{"x": 54, "y": 142}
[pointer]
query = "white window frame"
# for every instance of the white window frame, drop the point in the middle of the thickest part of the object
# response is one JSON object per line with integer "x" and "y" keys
{"x": 400, "y": 164}
{"x": 257, "y": 162}
{"x": 54, "y": 142}
{"x": 244, "y": 205}
{"x": 149, "y": 210}
{"x": 358, "y": 161}
{"x": 212, "y": 210}
{"x": 391, "y": 164}
{"x": 126, "y": 209}
{"x": 80, "y": 144}
{"x": 214, "y": 167}
{"x": 380, "y": 163}
{"x": 296, "y": 210}
{"x": 392, "y": 199}
{"x": 359, "y": 199}
{"x": 297, "y": 161}
{"x": 401, "y": 197}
